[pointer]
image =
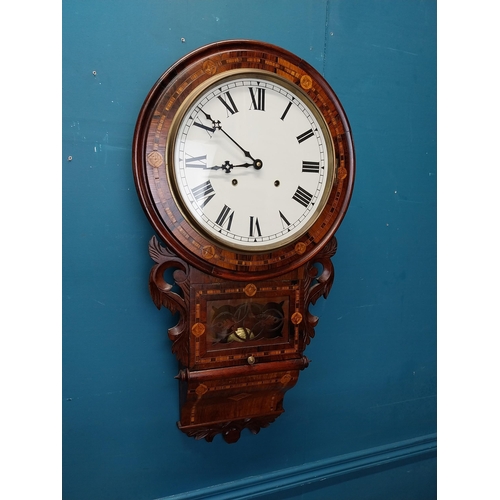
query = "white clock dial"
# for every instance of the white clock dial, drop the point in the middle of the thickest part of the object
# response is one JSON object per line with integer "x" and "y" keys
{"x": 252, "y": 162}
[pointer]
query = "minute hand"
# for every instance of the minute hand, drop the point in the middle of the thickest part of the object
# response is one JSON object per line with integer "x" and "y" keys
{"x": 256, "y": 163}
{"x": 247, "y": 153}
{"x": 217, "y": 125}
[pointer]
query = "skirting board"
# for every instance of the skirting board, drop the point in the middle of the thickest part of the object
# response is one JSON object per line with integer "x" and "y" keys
{"x": 362, "y": 462}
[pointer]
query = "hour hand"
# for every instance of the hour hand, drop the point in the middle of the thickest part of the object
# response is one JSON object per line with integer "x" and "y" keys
{"x": 228, "y": 166}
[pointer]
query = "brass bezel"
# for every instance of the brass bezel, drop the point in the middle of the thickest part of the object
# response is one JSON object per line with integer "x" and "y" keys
{"x": 173, "y": 134}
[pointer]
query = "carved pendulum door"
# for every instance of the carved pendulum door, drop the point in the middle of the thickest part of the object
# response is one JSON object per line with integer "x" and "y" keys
{"x": 240, "y": 345}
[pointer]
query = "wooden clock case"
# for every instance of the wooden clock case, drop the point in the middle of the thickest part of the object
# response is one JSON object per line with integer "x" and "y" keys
{"x": 244, "y": 319}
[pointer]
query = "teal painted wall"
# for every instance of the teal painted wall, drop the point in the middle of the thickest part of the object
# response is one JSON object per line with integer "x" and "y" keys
{"x": 372, "y": 380}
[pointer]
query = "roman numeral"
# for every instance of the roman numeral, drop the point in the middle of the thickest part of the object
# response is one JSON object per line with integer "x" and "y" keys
{"x": 284, "y": 221}
{"x": 305, "y": 135}
{"x": 196, "y": 161}
{"x": 254, "y": 226}
{"x": 225, "y": 215}
{"x": 310, "y": 166}
{"x": 230, "y": 106}
{"x": 258, "y": 101}
{"x": 286, "y": 111}
{"x": 210, "y": 130}
{"x": 203, "y": 193}
{"x": 302, "y": 196}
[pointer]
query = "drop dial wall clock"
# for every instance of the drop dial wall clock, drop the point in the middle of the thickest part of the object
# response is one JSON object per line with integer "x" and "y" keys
{"x": 244, "y": 164}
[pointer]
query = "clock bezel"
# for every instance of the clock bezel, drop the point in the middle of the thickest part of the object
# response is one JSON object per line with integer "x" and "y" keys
{"x": 174, "y": 134}
{"x": 181, "y": 81}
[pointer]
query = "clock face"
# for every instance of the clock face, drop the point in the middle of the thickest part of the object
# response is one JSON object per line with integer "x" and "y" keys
{"x": 251, "y": 161}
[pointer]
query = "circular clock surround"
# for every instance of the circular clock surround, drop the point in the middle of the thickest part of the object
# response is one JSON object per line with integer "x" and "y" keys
{"x": 243, "y": 159}
{"x": 252, "y": 195}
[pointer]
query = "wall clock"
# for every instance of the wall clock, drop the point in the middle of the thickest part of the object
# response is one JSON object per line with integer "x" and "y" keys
{"x": 243, "y": 161}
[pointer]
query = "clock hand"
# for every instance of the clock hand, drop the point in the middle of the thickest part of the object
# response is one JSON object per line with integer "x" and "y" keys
{"x": 227, "y": 167}
{"x": 257, "y": 164}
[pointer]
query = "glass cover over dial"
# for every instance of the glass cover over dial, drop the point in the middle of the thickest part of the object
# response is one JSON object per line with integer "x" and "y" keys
{"x": 252, "y": 162}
